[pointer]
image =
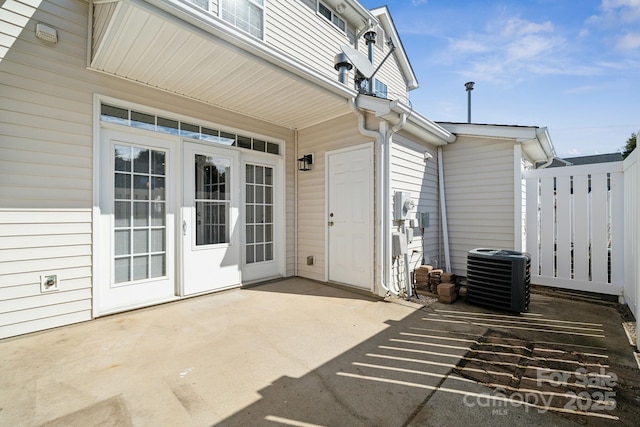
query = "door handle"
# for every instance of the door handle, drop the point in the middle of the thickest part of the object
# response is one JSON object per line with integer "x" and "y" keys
{"x": 330, "y": 223}
{"x": 184, "y": 227}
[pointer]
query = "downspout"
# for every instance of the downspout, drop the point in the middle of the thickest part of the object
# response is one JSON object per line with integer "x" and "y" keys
{"x": 387, "y": 187}
{"x": 295, "y": 203}
{"x": 443, "y": 211}
{"x": 382, "y": 210}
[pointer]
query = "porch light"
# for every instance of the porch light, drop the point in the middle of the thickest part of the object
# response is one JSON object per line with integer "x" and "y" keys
{"x": 305, "y": 162}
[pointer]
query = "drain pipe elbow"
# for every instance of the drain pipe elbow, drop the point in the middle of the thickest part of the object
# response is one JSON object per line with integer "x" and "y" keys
{"x": 400, "y": 124}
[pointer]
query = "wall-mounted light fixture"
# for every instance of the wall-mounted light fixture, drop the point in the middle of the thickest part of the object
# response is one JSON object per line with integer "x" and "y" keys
{"x": 427, "y": 156}
{"x": 305, "y": 162}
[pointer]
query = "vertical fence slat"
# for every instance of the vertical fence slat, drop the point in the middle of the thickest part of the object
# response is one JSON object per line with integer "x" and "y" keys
{"x": 617, "y": 228}
{"x": 631, "y": 230}
{"x": 546, "y": 227}
{"x": 563, "y": 226}
{"x": 532, "y": 224}
{"x": 581, "y": 227}
{"x": 599, "y": 229}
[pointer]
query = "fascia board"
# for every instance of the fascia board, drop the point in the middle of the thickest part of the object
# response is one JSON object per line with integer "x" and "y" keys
{"x": 521, "y": 133}
{"x": 190, "y": 18}
{"x": 421, "y": 126}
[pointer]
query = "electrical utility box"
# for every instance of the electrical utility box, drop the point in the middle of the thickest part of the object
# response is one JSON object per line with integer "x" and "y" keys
{"x": 403, "y": 203}
{"x": 423, "y": 219}
{"x": 398, "y": 244}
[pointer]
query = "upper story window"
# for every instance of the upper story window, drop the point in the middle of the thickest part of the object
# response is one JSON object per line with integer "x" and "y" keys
{"x": 247, "y": 15}
{"x": 379, "y": 88}
{"x": 332, "y": 17}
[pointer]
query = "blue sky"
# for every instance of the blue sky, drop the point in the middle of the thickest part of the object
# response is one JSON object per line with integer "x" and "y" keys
{"x": 570, "y": 65}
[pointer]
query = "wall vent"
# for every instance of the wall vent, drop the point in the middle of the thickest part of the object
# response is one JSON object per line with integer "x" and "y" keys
{"x": 499, "y": 278}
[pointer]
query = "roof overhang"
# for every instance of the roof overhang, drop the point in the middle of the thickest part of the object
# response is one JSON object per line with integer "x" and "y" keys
{"x": 416, "y": 125}
{"x": 535, "y": 141}
{"x": 176, "y": 47}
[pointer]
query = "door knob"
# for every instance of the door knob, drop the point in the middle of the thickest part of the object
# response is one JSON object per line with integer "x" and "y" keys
{"x": 330, "y": 223}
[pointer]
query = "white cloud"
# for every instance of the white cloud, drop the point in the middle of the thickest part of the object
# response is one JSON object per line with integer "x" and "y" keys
{"x": 629, "y": 41}
{"x": 509, "y": 49}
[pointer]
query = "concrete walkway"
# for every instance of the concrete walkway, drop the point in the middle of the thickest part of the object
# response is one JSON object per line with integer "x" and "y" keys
{"x": 300, "y": 353}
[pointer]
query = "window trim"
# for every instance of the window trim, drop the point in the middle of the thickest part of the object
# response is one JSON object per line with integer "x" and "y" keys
{"x": 262, "y": 7}
{"x": 334, "y": 15}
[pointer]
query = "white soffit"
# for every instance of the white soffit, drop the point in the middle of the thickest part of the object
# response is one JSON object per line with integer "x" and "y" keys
{"x": 160, "y": 51}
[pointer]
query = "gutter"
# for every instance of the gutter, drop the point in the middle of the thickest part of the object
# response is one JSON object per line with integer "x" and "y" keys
{"x": 542, "y": 135}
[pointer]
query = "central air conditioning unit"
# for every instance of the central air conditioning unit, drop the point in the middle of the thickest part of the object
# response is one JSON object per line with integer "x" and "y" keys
{"x": 499, "y": 278}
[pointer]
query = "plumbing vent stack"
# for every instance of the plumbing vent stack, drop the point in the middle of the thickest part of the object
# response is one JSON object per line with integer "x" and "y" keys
{"x": 342, "y": 65}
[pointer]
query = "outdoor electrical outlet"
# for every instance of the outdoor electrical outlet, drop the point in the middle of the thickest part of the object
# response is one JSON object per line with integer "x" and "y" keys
{"x": 310, "y": 260}
{"x": 49, "y": 283}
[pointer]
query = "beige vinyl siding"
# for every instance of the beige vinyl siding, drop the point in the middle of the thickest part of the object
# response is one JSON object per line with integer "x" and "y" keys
{"x": 389, "y": 73}
{"x": 46, "y": 165}
{"x": 410, "y": 173}
{"x": 312, "y": 220}
{"x": 479, "y": 190}
{"x": 295, "y": 28}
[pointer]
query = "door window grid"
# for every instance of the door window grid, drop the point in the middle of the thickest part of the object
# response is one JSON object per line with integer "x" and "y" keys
{"x": 212, "y": 199}
{"x": 259, "y": 213}
{"x": 139, "y": 213}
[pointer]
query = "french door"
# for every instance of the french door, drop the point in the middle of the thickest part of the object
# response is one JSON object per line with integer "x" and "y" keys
{"x": 136, "y": 225}
{"x": 210, "y": 215}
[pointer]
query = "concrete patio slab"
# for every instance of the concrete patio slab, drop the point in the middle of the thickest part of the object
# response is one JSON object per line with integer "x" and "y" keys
{"x": 302, "y": 353}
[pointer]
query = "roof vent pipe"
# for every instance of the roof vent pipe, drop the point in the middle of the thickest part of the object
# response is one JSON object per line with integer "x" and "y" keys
{"x": 469, "y": 86}
{"x": 370, "y": 37}
{"x": 342, "y": 65}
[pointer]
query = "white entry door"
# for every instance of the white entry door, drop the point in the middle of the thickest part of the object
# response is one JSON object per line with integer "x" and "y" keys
{"x": 210, "y": 213}
{"x": 136, "y": 224}
{"x": 350, "y": 216}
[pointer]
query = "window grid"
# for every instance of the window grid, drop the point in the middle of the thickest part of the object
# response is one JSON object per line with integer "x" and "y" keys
{"x": 139, "y": 214}
{"x": 247, "y": 15}
{"x": 212, "y": 200}
{"x": 259, "y": 214}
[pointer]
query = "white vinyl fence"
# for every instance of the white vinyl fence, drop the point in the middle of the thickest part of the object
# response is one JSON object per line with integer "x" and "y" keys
{"x": 632, "y": 231}
{"x": 575, "y": 227}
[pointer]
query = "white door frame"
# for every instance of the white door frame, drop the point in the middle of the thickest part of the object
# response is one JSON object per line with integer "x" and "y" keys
{"x": 370, "y": 157}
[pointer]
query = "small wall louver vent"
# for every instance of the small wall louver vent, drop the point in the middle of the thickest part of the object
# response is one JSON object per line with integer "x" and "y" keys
{"x": 499, "y": 279}
{"x": 46, "y": 33}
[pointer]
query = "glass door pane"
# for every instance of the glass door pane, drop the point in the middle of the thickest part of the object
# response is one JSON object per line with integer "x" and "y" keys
{"x": 139, "y": 213}
{"x": 212, "y": 199}
{"x": 259, "y": 213}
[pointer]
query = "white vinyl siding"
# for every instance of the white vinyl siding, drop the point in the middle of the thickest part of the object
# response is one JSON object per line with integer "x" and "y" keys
{"x": 389, "y": 73}
{"x": 46, "y": 165}
{"x": 410, "y": 173}
{"x": 479, "y": 192}
{"x": 312, "y": 217}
